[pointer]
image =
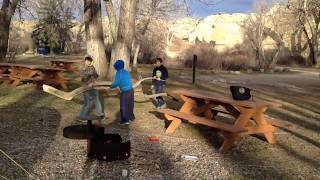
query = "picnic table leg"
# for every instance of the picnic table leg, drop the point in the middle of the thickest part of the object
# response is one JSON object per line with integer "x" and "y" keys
{"x": 241, "y": 122}
{"x": 261, "y": 121}
{"x": 175, "y": 122}
{"x": 188, "y": 105}
{"x": 15, "y": 82}
{"x": 229, "y": 139}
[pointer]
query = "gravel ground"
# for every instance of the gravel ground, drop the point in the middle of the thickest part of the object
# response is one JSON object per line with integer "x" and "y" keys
{"x": 31, "y": 125}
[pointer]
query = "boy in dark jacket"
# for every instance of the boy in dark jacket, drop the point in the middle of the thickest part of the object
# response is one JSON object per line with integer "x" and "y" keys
{"x": 88, "y": 76}
{"x": 160, "y": 75}
{"x": 123, "y": 81}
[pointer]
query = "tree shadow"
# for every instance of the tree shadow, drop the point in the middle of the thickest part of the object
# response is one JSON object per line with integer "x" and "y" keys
{"x": 311, "y": 141}
{"x": 26, "y": 133}
{"x": 243, "y": 162}
{"x": 148, "y": 160}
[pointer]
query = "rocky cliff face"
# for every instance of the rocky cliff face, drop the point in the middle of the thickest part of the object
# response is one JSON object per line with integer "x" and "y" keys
{"x": 222, "y": 30}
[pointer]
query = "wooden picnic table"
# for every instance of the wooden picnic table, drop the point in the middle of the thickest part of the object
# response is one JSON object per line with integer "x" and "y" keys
{"x": 202, "y": 107}
{"x": 14, "y": 74}
{"x": 69, "y": 65}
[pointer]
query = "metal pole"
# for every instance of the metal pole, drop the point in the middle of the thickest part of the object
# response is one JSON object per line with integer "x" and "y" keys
{"x": 194, "y": 65}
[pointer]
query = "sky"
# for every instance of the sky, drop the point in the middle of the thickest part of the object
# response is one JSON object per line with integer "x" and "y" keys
{"x": 227, "y": 6}
{"x": 200, "y": 10}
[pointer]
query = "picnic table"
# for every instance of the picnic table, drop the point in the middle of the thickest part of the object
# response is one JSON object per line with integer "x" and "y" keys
{"x": 202, "y": 107}
{"x": 14, "y": 74}
{"x": 69, "y": 65}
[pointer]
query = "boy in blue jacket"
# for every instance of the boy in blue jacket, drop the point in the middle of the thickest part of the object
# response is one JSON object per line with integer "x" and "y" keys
{"x": 123, "y": 81}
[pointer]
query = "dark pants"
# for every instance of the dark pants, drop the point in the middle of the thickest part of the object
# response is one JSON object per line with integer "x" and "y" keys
{"x": 127, "y": 105}
{"x": 159, "y": 88}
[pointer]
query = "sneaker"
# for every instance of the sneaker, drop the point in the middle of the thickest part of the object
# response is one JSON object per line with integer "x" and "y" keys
{"x": 81, "y": 118}
{"x": 124, "y": 123}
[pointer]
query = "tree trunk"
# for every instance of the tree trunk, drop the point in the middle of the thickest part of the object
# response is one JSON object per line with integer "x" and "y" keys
{"x": 135, "y": 58}
{"x": 94, "y": 36}
{"x": 7, "y": 11}
{"x": 126, "y": 29}
{"x": 313, "y": 54}
{"x": 137, "y": 50}
{"x": 275, "y": 58}
{"x": 112, "y": 19}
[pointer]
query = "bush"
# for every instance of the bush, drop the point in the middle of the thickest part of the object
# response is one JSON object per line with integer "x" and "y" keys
{"x": 292, "y": 60}
{"x": 153, "y": 43}
{"x": 233, "y": 59}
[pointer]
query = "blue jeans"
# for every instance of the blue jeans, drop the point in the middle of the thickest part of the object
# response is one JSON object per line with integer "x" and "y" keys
{"x": 159, "y": 88}
{"x": 91, "y": 95}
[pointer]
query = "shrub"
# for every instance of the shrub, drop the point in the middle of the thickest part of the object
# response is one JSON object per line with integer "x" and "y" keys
{"x": 234, "y": 59}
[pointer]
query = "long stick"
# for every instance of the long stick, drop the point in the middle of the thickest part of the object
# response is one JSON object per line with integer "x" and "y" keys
{"x": 97, "y": 85}
{"x": 17, "y": 164}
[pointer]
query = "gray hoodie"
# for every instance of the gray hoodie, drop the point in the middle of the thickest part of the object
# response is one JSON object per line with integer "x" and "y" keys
{"x": 88, "y": 75}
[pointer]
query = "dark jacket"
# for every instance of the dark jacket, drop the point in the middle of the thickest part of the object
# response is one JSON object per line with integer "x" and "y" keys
{"x": 164, "y": 75}
{"x": 88, "y": 75}
{"x": 122, "y": 78}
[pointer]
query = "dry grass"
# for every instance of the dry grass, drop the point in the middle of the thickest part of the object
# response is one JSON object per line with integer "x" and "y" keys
{"x": 31, "y": 125}
{"x": 234, "y": 59}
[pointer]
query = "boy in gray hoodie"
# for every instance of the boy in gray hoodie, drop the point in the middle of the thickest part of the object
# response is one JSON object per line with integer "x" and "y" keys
{"x": 89, "y": 75}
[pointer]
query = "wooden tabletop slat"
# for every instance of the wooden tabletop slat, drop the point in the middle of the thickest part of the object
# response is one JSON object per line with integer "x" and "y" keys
{"x": 31, "y": 66}
{"x": 66, "y": 60}
{"x": 211, "y": 96}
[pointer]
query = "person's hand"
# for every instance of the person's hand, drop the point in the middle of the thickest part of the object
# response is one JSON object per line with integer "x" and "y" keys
{"x": 152, "y": 86}
{"x": 154, "y": 77}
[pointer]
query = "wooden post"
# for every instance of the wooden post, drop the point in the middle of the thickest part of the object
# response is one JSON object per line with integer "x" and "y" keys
{"x": 194, "y": 68}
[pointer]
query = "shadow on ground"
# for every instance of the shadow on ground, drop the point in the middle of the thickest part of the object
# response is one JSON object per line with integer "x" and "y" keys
{"x": 26, "y": 132}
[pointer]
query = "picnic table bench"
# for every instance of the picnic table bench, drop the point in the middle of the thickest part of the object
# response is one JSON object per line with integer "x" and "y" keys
{"x": 14, "y": 74}
{"x": 202, "y": 107}
{"x": 68, "y": 65}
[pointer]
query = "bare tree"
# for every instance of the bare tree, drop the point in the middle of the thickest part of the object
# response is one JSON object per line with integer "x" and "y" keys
{"x": 7, "y": 11}
{"x": 150, "y": 11}
{"x": 113, "y": 22}
{"x": 125, "y": 34}
{"x": 278, "y": 31}
{"x": 94, "y": 36}
{"x": 307, "y": 13}
{"x": 254, "y": 29}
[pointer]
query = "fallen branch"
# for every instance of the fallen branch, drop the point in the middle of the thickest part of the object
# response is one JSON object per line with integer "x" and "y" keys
{"x": 97, "y": 85}
{"x": 70, "y": 95}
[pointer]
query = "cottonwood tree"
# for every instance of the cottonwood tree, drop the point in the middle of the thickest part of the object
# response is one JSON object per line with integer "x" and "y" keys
{"x": 112, "y": 17}
{"x": 125, "y": 33}
{"x": 307, "y": 16}
{"x": 278, "y": 31}
{"x": 7, "y": 11}
{"x": 94, "y": 36}
{"x": 151, "y": 12}
{"x": 254, "y": 29}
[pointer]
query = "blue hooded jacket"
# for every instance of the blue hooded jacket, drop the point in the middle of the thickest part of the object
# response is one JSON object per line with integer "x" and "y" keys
{"x": 122, "y": 78}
